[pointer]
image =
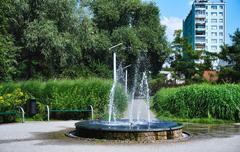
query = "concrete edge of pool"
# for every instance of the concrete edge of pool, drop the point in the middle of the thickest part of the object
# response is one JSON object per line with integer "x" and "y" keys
{"x": 157, "y": 130}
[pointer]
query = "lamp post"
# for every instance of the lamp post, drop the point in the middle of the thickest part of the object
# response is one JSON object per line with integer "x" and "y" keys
{"x": 126, "y": 77}
{"x": 115, "y": 62}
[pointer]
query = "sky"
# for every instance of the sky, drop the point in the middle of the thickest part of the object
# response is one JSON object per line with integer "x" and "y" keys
{"x": 174, "y": 11}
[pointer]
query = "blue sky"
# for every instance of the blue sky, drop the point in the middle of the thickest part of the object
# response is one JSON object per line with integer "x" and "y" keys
{"x": 174, "y": 11}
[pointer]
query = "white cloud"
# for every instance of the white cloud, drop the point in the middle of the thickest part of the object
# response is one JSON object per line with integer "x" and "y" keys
{"x": 172, "y": 24}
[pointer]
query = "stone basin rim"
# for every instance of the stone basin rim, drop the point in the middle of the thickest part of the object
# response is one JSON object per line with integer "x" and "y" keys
{"x": 86, "y": 125}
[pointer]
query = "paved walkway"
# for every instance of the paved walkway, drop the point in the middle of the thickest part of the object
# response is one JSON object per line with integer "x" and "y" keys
{"x": 28, "y": 137}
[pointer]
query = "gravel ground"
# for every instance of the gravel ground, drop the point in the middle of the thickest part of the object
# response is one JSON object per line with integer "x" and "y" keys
{"x": 49, "y": 137}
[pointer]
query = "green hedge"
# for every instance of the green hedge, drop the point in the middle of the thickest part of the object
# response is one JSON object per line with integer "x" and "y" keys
{"x": 199, "y": 101}
{"x": 71, "y": 94}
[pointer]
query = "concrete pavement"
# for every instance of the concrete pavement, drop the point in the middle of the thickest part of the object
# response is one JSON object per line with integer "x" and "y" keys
{"x": 28, "y": 137}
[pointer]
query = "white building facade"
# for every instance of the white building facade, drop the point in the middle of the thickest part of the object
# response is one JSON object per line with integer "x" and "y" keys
{"x": 205, "y": 25}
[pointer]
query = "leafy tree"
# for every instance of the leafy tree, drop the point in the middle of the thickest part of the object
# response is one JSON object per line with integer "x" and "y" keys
{"x": 8, "y": 61}
{"x": 186, "y": 59}
{"x": 8, "y": 49}
{"x": 46, "y": 39}
{"x": 137, "y": 25}
{"x": 47, "y": 50}
{"x": 231, "y": 55}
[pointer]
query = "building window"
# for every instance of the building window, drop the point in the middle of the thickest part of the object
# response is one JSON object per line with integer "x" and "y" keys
{"x": 221, "y": 13}
{"x": 213, "y": 20}
{"x": 200, "y": 6}
{"x": 220, "y": 20}
{"x": 200, "y": 39}
{"x": 221, "y": 27}
{"x": 214, "y": 27}
{"x": 206, "y": 40}
{"x": 214, "y": 33}
{"x": 214, "y": 13}
{"x": 220, "y": 40}
{"x": 220, "y": 33}
{"x": 214, "y": 47}
{"x": 200, "y": 26}
{"x": 221, "y": 7}
{"x": 206, "y": 7}
{"x": 200, "y": 12}
{"x": 214, "y": 7}
{"x": 214, "y": 41}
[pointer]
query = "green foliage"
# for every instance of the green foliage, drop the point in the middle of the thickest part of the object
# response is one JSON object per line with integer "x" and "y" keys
{"x": 51, "y": 39}
{"x": 47, "y": 47}
{"x": 137, "y": 25}
{"x": 200, "y": 101}
{"x": 10, "y": 100}
{"x": 71, "y": 94}
{"x": 186, "y": 58}
{"x": 231, "y": 55}
{"x": 157, "y": 83}
{"x": 8, "y": 53}
{"x": 229, "y": 75}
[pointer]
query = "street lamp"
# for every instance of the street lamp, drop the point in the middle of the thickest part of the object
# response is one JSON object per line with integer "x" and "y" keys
{"x": 114, "y": 62}
{"x": 126, "y": 77}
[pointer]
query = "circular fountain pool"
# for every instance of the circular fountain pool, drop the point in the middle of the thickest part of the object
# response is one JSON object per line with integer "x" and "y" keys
{"x": 124, "y": 130}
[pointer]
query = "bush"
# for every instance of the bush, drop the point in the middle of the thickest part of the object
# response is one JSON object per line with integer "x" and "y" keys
{"x": 72, "y": 94}
{"x": 10, "y": 100}
{"x": 200, "y": 101}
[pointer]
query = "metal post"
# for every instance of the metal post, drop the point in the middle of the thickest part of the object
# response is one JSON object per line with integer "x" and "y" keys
{"x": 114, "y": 62}
{"x": 114, "y": 67}
{"x": 126, "y": 79}
{"x": 91, "y": 111}
{"x": 23, "y": 113}
{"x": 48, "y": 113}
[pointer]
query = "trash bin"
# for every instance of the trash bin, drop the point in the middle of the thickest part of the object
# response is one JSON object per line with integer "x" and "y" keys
{"x": 32, "y": 107}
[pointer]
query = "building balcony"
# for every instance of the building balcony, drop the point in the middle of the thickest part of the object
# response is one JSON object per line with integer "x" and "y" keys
{"x": 200, "y": 15}
{"x": 200, "y": 33}
{"x": 199, "y": 49}
{"x": 200, "y": 29}
{"x": 200, "y": 21}
{"x": 200, "y": 43}
{"x": 200, "y": 8}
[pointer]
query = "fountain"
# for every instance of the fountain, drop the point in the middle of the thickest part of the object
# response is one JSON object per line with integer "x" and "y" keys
{"x": 130, "y": 128}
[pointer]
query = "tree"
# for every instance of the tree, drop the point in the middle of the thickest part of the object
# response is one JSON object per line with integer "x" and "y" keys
{"x": 186, "y": 59}
{"x": 9, "y": 51}
{"x": 47, "y": 50}
{"x": 57, "y": 38}
{"x": 231, "y": 55}
{"x": 137, "y": 25}
{"x": 8, "y": 61}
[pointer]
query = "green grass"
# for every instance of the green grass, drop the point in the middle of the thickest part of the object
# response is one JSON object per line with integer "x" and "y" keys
{"x": 199, "y": 101}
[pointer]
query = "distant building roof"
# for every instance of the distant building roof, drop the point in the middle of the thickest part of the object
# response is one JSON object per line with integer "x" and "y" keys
{"x": 210, "y": 75}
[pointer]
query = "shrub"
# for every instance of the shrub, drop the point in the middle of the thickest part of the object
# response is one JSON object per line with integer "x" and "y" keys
{"x": 200, "y": 101}
{"x": 10, "y": 100}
